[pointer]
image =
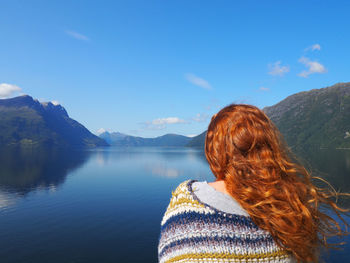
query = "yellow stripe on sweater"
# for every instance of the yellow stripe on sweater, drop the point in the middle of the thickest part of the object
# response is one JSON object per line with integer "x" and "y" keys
{"x": 200, "y": 256}
{"x": 185, "y": 201}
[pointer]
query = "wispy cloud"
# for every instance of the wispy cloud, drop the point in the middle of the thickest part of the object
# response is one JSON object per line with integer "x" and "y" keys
{"x": 214, "y": 104}
{"x": 201, "y": 117}
{"x": 8, "y": 90}
{"x": 195, "y": 80}
{"x": 77, "y": 35}
{"x": 276, "y": 69}
{"x": 264, "y": 89}
{"x": 313, "y": 47}
{"x": 161, "y": 123}
{"x": 313, "y": 67}
{"x": 169, "y": 120}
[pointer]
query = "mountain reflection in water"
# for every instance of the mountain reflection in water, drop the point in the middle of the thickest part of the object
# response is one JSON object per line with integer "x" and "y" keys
{"x": 26, "y": 169}
{"x": 102, "y": 205}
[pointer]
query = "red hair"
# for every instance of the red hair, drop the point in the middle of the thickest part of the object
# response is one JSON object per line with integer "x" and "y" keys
{"x": 246, "y": 150}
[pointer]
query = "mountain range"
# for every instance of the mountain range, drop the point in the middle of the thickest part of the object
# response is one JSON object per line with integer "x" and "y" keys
{"x": 167, "y": 140}
{"x": 26, "y": 121}
{"x": 319, "y": 118}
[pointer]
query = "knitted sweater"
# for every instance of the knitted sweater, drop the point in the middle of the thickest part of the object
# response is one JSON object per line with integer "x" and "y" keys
{"x": 193, "y": 231}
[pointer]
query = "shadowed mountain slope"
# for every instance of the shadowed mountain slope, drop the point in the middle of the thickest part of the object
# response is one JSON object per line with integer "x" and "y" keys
{"x": 319, "y": 118}
{"x": 25, "y": 121}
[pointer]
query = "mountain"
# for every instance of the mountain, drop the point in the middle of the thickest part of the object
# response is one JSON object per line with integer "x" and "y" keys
{"x": 168, "y": 140}
{"x": 197, "y": 141}
{"x": 111, "y": 137}
{"x": 319, "y": 118}
{"x": 25, "y": 121}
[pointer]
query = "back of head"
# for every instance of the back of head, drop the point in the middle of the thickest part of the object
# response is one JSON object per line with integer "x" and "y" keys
{"x": 246, "y": 150}
{"x": 238, "y": 135}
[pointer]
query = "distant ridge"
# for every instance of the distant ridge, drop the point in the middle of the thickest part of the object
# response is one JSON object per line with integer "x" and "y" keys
{"x": 197, "y": 141}
{"x": 25, "y": 121}
{"x": 167, "y": 140}
{"x": 319, "y": 118}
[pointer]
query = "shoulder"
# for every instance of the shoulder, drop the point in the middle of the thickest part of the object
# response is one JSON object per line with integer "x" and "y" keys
{"x": 183, "y": 188}
{"x": 183, "y": 200}
{"x": 183, "y": 192}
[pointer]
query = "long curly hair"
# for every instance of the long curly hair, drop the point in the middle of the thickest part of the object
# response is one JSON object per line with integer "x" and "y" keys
{"x": 246, "y": 150}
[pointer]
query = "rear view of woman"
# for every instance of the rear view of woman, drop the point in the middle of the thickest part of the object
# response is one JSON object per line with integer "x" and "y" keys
{"x": 262, "y": 207}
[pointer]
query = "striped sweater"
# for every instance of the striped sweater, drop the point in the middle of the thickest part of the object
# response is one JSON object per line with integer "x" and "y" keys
{"x": 193, "y": 231}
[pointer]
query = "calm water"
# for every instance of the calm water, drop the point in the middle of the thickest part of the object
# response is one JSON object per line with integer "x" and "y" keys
{"x": 104, "y": 205}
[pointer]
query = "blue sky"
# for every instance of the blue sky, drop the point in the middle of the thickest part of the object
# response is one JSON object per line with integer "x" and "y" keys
{"x": 148, "y": 68}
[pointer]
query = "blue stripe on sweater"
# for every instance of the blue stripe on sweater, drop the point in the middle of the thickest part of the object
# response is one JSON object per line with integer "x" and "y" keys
{"x": 247, "y": 241}
{"x": 216, "y": 218}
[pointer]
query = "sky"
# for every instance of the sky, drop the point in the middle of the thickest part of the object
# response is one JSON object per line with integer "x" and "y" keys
{"x": 148, "y": 68}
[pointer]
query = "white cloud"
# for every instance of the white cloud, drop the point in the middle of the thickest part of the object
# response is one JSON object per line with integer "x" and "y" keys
{"x": 169, "y": 120}
{"x": 195, "y": 80}
{"x": 191, "y": 135}
{"x": 200, "y": 117}
{"x": 77, "y": 35}
{"x": 313, "y": 67}
{"x": 161, "y": 123}
{"x": 55, "y": 102}
{"x": 277, "y": 70}
{"x": 7, "y": 90}
{"x": 264, "y": 89}
{"x": 313, "y": 47}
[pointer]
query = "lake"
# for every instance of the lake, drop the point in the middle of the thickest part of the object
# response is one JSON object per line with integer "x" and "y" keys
{"x": 105, "y": 205}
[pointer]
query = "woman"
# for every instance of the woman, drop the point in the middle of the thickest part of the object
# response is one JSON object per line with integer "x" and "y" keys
{"x": 262, "y": 207}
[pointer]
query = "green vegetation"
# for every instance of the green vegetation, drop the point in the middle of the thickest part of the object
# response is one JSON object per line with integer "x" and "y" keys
{"x": 316, "y": 119}
{"x": 27, "y": 122}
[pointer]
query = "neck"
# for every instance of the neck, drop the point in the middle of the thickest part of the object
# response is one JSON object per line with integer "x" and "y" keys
{"x": 219, "y": 185}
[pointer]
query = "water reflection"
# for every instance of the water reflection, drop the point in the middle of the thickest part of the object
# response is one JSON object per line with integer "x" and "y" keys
{"x": 332, "y": 165}
{"x": 26, "y": 169}
{"x": 7, "y": 199}
{"x": 163, "y": 170}
{"x": 170, "y": 162}
{"x": 106, "y": 155}
{"x": 51, "y": 211}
